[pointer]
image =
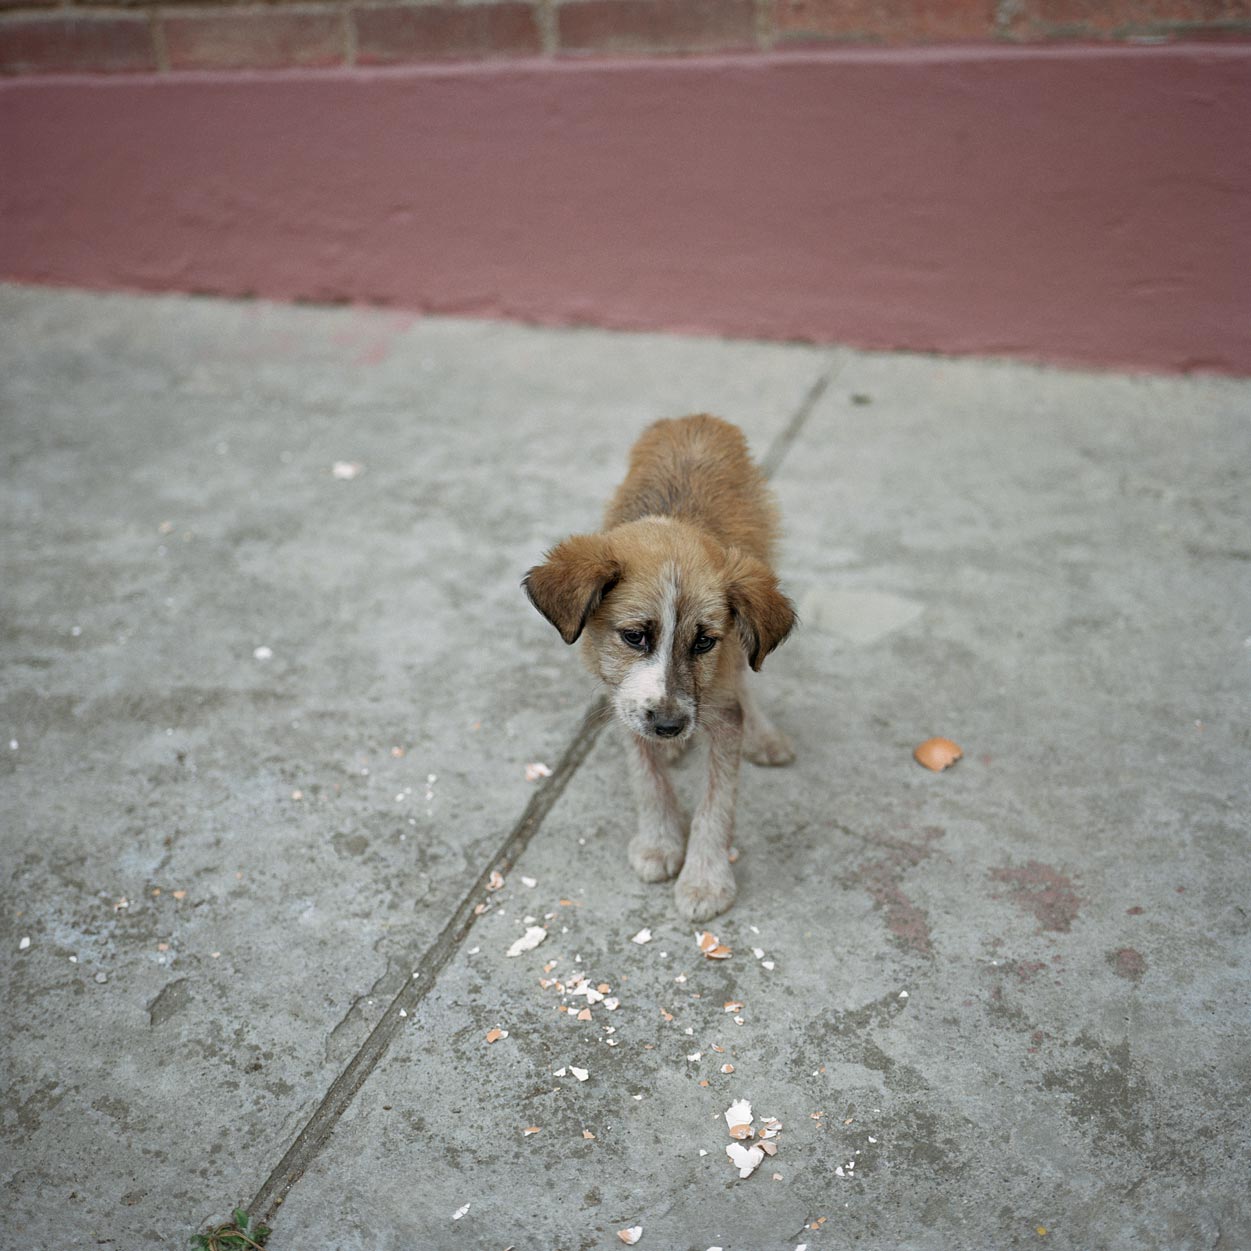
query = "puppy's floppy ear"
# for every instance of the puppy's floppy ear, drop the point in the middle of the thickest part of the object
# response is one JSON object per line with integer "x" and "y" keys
{"x": 763, "y": 615}
{"x": 575, "y": 576}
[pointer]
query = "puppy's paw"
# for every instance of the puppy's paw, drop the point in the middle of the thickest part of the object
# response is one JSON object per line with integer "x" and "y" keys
{"x": 769, "y": 747}
{"x": 706, "y": 892}
{"x": 656, "y": 859}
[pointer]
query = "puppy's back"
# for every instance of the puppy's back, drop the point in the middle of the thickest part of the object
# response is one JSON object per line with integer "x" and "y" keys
{"x": 698, "y": 470}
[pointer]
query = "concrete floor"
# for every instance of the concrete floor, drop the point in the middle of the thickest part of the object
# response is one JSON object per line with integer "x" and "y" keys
{"x": 1015, "y": 995}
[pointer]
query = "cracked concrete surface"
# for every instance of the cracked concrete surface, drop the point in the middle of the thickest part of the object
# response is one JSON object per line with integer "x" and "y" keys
{"x": 1015, "y": 995}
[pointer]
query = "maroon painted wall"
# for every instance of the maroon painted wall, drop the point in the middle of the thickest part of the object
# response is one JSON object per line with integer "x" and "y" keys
{"x": 1083, "y": 204}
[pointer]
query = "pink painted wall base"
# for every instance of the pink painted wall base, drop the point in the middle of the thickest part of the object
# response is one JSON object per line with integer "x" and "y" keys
{"x": 1082, "y": 205}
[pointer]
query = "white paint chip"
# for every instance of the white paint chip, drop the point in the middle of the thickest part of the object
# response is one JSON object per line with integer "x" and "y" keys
{"x": 23, "y": 944}
{"x": 262, "y": 653}
{"x": 630, "y": 1236}
{"x": 460, "y": 1212}
{"x": 580, "y": 1074}
{"x": 537, "y": 770}
{"x": 345, "y": 471}
{"x": 643, "y": 936}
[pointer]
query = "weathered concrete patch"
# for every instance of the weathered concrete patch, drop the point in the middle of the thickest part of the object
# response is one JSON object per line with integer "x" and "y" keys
{"x": 1107, "y": 1097}
{"x": 856, "y": 617}
{"x": 172, "y": 1000}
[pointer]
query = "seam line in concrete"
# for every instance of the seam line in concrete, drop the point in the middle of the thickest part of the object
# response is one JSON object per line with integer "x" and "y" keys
{"x": 334, "y": 1103}
{"x": 317, "y": 1129}
{"x": 773, "y": 458}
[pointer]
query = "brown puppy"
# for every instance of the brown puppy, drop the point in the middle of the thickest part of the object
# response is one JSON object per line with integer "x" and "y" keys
{"x": 674, "y": 598}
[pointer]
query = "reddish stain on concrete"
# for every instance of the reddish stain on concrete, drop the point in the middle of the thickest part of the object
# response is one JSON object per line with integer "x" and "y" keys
{"x": 906, "y": 921}
{"x": 1128, "y": 963}
{"x": 1136, "y": 911}
{"x": 1046, "y": 892}
{"x": 1027, "y": 970}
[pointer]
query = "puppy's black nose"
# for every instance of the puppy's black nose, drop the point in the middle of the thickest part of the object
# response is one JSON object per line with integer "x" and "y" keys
{"x": 667, "y": 727}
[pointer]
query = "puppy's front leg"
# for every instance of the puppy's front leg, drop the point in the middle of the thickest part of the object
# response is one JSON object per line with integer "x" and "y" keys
{"x": 706, "y": 885}
{"x": 656, "y": 851}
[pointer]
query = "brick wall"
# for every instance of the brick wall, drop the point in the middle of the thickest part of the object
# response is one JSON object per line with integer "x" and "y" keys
{"x": 123, "y": 36}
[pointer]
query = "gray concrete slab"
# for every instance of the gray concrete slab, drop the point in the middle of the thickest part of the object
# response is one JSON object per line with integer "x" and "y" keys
{"x": 226, "y": 862}
{"x": 1014, "y": 994}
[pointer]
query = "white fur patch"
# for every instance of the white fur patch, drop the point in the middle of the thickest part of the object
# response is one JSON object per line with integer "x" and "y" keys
{"x": 645, "y": 685}
{"x": 645, "y": 688}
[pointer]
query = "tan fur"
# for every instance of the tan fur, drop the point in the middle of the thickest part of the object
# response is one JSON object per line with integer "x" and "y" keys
{"x": 683, "y": 560}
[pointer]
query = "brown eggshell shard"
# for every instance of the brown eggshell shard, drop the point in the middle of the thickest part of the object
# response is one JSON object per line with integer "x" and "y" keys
{"x": 937, "y": 754}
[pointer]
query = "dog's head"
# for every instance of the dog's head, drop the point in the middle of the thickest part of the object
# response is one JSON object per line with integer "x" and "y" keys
{"x": 666, "y": 614}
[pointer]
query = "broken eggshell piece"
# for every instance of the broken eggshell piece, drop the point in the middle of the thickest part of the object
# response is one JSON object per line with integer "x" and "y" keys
{"x": 745, "y": 1159}
{"x": 937, "y": 754}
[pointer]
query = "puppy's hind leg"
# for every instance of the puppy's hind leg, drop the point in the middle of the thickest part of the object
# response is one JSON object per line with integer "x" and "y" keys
{"x": 659, "y": 847}
{"x": 763, "y": 742}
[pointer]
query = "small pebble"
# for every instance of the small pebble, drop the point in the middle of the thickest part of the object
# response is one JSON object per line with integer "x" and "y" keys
{"x": 102, "y": 978}
{"x": 23, "y": 944}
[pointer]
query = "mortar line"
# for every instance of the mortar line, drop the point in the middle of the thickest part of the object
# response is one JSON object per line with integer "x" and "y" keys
{"x": 317, "y": 1129}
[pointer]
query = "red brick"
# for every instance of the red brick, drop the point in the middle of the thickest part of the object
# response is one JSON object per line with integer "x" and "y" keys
{"x": 441, "y": 32}
{"x": 1061, "y": 19}
{"x": 655, "y": 25}
{"x": 255, "y": 39}
{"x": 885, "y": 21}
{"x": 45, "y": 45}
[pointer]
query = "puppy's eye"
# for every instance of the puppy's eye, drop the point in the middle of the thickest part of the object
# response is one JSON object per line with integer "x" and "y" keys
{"x": 703, "y": 644}
{"x": 634, "y": 638}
